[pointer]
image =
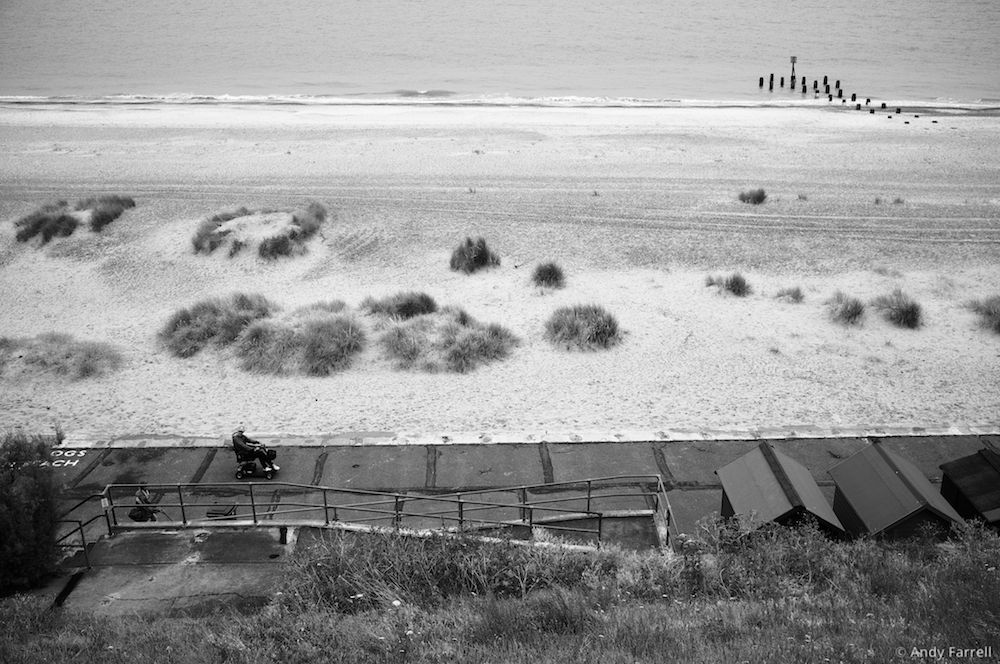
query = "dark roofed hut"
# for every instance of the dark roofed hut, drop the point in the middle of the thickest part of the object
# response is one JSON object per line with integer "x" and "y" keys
{"x": 881, "y": 493}
{"x": 772, "y": 487}
{"x": 972, "y": 486}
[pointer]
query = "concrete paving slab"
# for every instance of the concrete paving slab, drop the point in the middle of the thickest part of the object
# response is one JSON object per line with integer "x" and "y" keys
{"x": 820, "y": 454}
{"x": 135, "y": 465}
{"x": 384, "y": 467}
{"x": 480, "y": 466}
{"x": 695, "y": 462}
{"x": 577, "y": 461}
{"x": 688, "y": 506}
{"x": 929, "y": 452}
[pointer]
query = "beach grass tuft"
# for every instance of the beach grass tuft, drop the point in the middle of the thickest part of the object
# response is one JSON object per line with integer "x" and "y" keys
{"x": 899, "y": 309}
{"x": 792, "y": 294}
{"x": 105, "y": 209}
{"x": 735, "y": 283}
{"x": 401, "y": 305}
{"x": 268, "y": 347}
{"x": 845, "y": 309}
{"x": 587, "y": 327}
{"x": 472, "y": 255}
{"x": 290, "y": 240}
{"x": 217, "y": 321}
{"x": 450, "y": 340}
{"x": 59, "y": 355}
{"x": 330, "y": 343}
{"x": 988, "y": 310}
{"x": 753, "y": 196}
{"x": 49, "y": 221}
{"x": 548, "y": 275}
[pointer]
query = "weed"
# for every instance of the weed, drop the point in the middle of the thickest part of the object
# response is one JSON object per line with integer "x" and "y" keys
{"x": 754, "y": 196}
{"x": 548, "y": 275}
{"x": 989, "y": 312}
{"x": 793, "y": 294}
{"x": 845, "y": 309}
{"x": 216, "y": 321}
{"x": 584, "y": 326}
{"x": 899, "y": 309}
{"x": 470, "y": 256}
{"x": 328, "y": 344}
{"x": 401, "y": 305}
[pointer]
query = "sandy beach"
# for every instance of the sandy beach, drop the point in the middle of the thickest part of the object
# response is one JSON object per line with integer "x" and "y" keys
{"x": 637, "y": 205}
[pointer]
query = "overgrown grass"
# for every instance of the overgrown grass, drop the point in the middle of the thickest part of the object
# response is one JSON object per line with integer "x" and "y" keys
{"x": 792, "y": 294}
{"x": 314, "y": 342}
{"x": 989, "y": 312}
{"x": 401, "y": 305}
{"x": 783, "y": 596}
{"x": 845, "y": 309}
{"x": 735, "y": 283}
{"x": 450, "y": 340}
{"x": 548, "y": 275}
{"x": 587, "y": 326}
{"x": 753, "y": 196}
{"x": 217, "y": 321}
{"x": 105, "y": 209}
{"x": 472, "y": 255}
{"x": 57, "y": 354}
{"x": 899, "y": 309}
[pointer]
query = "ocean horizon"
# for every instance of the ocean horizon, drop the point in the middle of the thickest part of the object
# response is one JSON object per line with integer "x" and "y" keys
{"x": 560, "y": 53}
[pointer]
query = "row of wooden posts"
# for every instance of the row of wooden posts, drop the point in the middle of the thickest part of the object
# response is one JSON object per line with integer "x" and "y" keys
{"x": 826, "y": 88}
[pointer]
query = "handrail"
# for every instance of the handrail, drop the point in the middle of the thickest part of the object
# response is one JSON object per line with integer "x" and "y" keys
{"x": 461, "y": 509}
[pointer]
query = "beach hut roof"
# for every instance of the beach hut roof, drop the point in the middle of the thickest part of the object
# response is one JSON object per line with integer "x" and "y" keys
{"x": 769, "y": 484}
{"x": 977, "y": 476}
{"x": 883, "y": 488}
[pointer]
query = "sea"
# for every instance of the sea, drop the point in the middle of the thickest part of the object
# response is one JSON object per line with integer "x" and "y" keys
{"x": 496, "y": 52}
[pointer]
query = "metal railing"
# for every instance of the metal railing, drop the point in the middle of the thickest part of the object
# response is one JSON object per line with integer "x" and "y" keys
{"x": 576, "y": 509}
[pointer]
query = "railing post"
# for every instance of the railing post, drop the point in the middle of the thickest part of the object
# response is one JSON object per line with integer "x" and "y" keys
{"x": 588, "y": 495}
{"x": 531, "y": 517}
{"x": 524, "y": 499}
{"x": 461, "y": 513}
{"x": 108, "y": 509}
{"x": 253, "y": 505}
{"x": 397, "y": 509}
{"x": 600, "y": 528}
{"x": 180, "y": 502}
{"x": 326, "y": 509}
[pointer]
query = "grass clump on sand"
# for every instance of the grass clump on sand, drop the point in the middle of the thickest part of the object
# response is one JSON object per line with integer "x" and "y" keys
{"x": 328, "y": 344}
{"x": 57, "y": 354}
{"x": 449, "y": 340}
{"x": 548, "y": 275}
{"x": 317, "y": 345}
{"x": 845, "y": 309}
{"x": 989, "y": 312}
{"x": 215, "y": 321}
{"x": 793, "y": 294}
{"x": 60, "y": 220}
{"x": 587, "y": 326}
{"x": 730, "y": 596}
{"x": 754, "y": 196}
{"x": 401, "y": 305}
{"x": 105, "y": 209}
{"x": 735, "y": 283}
{"x": 899, "y": 309}
{"x": 291, "y": 230}
{"x": 471, "y": 256}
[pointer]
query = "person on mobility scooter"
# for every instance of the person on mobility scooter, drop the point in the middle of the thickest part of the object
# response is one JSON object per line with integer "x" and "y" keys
{"x": 249, "y": 452}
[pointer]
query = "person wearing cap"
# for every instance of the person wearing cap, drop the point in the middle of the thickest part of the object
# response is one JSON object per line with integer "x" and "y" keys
{"x": 143, "y": 511}
{"x": 248, "y": 447}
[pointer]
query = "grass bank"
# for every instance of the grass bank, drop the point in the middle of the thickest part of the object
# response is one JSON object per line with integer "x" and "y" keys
{"x": 771, "y": 595}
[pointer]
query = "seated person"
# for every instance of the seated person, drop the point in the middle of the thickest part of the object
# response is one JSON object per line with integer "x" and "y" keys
{"x": 247, "y": 448}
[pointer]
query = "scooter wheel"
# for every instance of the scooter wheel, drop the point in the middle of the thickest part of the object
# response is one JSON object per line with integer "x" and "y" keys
{"x": 240, "y": 475}
{"x": 268, "y": 475}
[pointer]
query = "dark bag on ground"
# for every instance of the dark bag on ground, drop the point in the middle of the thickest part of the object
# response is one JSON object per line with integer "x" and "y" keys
{"x": 139, "y": 514}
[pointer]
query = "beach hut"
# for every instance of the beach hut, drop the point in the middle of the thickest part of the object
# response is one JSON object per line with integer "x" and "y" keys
{"x": 972, "y": 486}
{"x": 772, "y": 487}
{"x": 881, "y": 493}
